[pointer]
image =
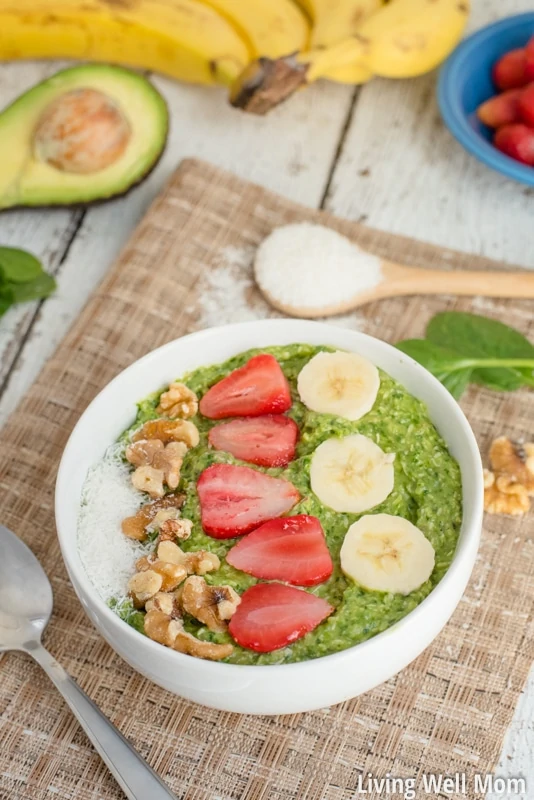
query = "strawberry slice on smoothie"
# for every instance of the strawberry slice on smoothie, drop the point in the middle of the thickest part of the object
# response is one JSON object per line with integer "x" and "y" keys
{"x": 267, "y": 441}
{"x": 271, "y": 616}
{"x": 235, "y": 500}
{"x": 290, "y": 549}
{"x": 259, "y": 387}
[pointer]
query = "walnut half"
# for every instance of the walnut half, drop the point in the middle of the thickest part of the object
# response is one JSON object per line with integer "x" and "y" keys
{"x": 510, "y": 482}
{"x": 170, "y": 632}
{"x": 211, "y": 605}
{"x": 514, "y": 460}
{"x": 197, "y": 562}
{"x": 504, "y": 495}
{"x": 169, "y": 430}
{"x": 156, "y": 463}
{"x": 178, "y": 401}
{"x": 139, "y": 525}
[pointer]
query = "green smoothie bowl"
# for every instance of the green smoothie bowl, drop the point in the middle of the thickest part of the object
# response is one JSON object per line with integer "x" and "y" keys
{"x": 275, "y": 526}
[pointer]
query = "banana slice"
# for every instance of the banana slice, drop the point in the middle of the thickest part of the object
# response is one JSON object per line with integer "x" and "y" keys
{"x": 387, "y": 554}
{"x": 344, "y": 384}
{"x": 351, "y": 474}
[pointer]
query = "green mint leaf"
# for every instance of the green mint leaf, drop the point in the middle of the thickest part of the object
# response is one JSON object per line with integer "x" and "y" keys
{"x": 444, "y": 364}
{"x": 457, "y": 382}
{"x": 18, "y": 266}
{"x": 436, "y": 359}
{"x": 476, "y": 336}
{"x": 36, "y": 289}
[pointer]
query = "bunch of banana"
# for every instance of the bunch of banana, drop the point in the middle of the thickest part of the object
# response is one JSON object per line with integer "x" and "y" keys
{"x": 262, "y": 49}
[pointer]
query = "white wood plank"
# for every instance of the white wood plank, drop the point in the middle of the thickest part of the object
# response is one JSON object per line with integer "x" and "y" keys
{"x": 400, "y": 170}
{"x": 292, "y": 151}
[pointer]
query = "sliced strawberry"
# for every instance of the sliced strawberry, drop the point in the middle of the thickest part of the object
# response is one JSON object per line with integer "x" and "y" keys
{"x": 525, "y": 105}
{"x": 235, "y": 500}
{"x": 510, "y": 71}
{"x": 267, "y": 441}
{"x": 271, "y": 616}
{"x": 529, "y": 54}
{"x": 501, "y": 109}
{"x": 259, "y": 387}
{"x": 290, "y": 549}
{"x": 517, "y": 141}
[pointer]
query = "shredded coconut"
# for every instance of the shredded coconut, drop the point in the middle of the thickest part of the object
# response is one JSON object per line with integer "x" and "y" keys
{"x": 309, "y": 266}
{"x": 229, "y": 293}
{"x": 107, "y": 555}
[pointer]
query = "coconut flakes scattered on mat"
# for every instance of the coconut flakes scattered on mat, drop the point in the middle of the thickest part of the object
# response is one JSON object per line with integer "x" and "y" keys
{"x": 228, "y": 293}
{"x": 107, "y": 555}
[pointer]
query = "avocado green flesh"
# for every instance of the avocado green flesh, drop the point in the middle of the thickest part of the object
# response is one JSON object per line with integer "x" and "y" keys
{"x": 25, "y": 181}
{"x": 428, "y": 492}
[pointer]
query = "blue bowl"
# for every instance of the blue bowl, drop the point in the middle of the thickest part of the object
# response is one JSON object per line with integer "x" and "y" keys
{"x": 465, "y": 82}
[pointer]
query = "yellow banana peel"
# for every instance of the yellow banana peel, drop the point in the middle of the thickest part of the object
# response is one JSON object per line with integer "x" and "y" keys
{"x": 271, "y": 28}
{"x": 403, "y": 39}
{"x": 406, "y": 38}
{"x": 336, "y": 20}
{"x": 183, "y": 39}
{"x": 219, "y": 41}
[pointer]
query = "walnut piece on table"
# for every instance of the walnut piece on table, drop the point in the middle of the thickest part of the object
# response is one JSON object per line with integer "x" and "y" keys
{"x": 211, "y": 605}
{"x": 510, "y": 482}
{"x": 178, "y": 401}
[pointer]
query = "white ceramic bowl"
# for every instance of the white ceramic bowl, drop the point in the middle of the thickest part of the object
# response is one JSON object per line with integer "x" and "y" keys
{"x": 286, "y": 688}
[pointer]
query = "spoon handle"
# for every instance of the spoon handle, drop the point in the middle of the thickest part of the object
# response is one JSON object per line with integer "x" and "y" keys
{"x": 414, "y": 280}
{"x": 136, "y": 779}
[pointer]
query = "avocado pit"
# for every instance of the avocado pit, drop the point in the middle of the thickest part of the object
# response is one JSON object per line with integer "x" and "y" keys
{"x": 83, "y": 131}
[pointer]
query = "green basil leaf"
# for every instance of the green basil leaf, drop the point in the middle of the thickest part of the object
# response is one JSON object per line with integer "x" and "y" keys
{"x": 41, "y": 286}
{"x": 475, "y": 336}
{"x": 18, "y": 266}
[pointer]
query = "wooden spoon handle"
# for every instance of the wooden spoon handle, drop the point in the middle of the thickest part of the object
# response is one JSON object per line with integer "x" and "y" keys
{"x": 413, "y": 280}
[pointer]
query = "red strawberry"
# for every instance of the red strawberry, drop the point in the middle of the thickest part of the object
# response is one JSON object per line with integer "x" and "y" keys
{"x": 501, "y": 109}
{"x": 517, "y": 141}
{"x": 529, "y": 53}
{"x": 525, "y": 104}
{"x": 272, "y": 615}
{"x": 290, "y": 549}
{"x": 509, "y": 72}
{"x": 259, "y": 387}
{"x": 235, "y": 500}
{"x": 267, "y": 441}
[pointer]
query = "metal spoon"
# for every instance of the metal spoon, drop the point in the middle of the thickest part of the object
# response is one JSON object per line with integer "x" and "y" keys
{"x": 25, "y": 609}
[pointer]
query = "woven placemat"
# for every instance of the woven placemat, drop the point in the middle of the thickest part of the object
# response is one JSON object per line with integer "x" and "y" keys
{"x": 446, "y": 713}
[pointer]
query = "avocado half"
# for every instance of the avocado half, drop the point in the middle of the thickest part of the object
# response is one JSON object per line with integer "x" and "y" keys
{"x": 28, "y": 179}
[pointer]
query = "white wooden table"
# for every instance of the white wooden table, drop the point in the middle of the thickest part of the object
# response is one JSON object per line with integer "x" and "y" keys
{"x": 379, "y": 154}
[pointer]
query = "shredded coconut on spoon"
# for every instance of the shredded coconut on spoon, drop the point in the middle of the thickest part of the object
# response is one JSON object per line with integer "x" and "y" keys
{"x": 306, "y": 267}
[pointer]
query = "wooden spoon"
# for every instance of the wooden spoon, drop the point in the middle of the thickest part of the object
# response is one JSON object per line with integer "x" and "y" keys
{"x": 402, "y": 280}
